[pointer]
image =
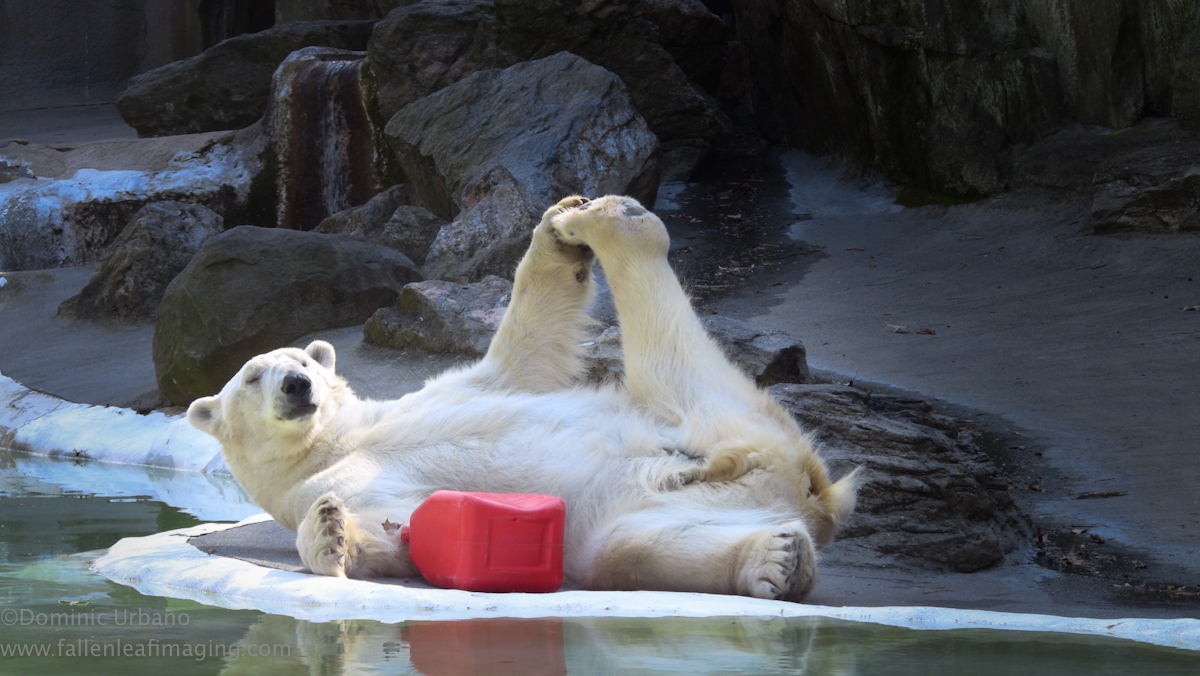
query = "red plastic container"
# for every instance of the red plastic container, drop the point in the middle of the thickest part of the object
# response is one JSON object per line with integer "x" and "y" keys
{"x": 488, "y": 542}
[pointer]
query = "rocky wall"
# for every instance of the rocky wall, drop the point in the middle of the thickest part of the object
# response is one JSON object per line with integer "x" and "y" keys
{"x": 937, "y": 92}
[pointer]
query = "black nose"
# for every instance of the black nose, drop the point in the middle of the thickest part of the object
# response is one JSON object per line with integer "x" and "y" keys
{"x": 296, "y": 385}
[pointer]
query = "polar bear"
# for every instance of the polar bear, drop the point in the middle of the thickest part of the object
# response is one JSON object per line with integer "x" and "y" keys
{"x": 684, "y": 477}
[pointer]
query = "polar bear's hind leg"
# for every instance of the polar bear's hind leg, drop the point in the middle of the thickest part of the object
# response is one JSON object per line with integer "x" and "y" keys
{"x": 749, "y": 553}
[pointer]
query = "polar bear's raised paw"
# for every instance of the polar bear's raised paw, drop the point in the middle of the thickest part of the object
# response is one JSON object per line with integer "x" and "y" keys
{"x": 322, "y": 536}
{"x": 612, "y": 223}
{"x": 567, "y": 203}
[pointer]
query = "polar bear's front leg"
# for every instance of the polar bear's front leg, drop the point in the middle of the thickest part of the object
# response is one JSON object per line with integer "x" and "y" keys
{"x": 537, "y": 347}
{"x": 321, "y": 537}
{"x": 333, "y": 541}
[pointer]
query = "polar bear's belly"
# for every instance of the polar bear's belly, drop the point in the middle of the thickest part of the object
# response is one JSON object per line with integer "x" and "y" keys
{"x": 582, "y": 445}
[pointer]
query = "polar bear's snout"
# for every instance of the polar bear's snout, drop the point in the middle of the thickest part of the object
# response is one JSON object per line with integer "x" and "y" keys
{"x": 298, "y": 393}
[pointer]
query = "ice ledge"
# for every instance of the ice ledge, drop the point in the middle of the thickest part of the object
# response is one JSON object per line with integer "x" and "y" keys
{"x": 42, "y": 424}
{"x": 166, "y": 565}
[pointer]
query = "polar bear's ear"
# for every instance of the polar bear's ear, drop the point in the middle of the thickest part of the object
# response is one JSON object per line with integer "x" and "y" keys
{"x": 204, "y": 414}
{"x": 323, "y": 353}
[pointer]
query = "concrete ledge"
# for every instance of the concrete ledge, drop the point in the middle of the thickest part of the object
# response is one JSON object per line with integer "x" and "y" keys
{"x": 166, "y": 565}
{"x": 42, "y": 424}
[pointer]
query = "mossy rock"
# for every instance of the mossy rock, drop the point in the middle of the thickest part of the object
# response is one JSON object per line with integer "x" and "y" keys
{"x": 251, "y": 290}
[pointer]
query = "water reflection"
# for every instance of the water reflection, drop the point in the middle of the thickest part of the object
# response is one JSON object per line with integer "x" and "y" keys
{"x": 47, "y": 531}
{"x": 718, "y": 646}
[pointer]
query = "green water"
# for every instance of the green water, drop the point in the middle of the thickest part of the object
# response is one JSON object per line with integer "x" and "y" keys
{"x": 80, "y": 623}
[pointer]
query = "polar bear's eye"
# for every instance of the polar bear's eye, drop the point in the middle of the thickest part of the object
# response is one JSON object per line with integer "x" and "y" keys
{"x": 251, "y": 379}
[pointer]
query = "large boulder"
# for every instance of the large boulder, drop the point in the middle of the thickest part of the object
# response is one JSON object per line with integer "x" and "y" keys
{"x": 251, "y": 290}
{"x": 559, "y": 125}
{"x": 938, "y": 93}
{"x": 430, "y": 45}
{"x": 638, "y": 40}
{"x": 539, "y": 130}
{"x": 227, "y": 86}
{"x": 927, "y": 493}
{"x": 157, "y": 245}
{"x": 654, "y": 46}
{"x": 442, "y": 317}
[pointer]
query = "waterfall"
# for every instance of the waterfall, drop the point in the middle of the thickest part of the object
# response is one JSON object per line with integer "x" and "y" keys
{"x": 324, "y": 139}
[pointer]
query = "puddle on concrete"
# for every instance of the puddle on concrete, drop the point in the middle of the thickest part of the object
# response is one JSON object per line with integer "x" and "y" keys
{"x": 54, "y": 610}
{"x": 820, "y": 187}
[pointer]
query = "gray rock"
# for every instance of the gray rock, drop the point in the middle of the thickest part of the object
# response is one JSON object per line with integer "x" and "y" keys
{"x": 442, "y": 317}
{"x": 154, "y": 247}
{"x": 490, "y": 235}
{"x": 1142, "y": 178}
{"x": 1170, "y": 206}
{"x": 654, "y": 46}
{"x": 389, "y": 220}
{"x": 938, "y": 93}
{"x": 603, "y": 358}
{"x": 251, "y": 290}
{"x": 11, "y": 172}
{"x": 430, "y": 45}
{"x": 1185, "y": 94}
{"x": 227, "y": 86}
{"x": 766, "y": 355}
{"x": 927, "y": 493}
{"x": 640, "y": 41}
{"x": 366, "y": 220}
{"x": 769, "y": 357}
{"x": 411, "y": 231}
{"x": 559, "y": 125}
{"x": 693, "y": 35}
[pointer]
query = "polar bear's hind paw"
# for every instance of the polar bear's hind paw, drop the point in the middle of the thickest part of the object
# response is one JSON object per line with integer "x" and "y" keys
{"x": 780, "y": 564}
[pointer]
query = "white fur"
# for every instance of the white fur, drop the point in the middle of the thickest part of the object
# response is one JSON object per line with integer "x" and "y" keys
{"x": 685, "y": 477}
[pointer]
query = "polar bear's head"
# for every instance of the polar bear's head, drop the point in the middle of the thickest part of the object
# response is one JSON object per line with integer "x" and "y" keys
{"x": 281, "y": 394}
